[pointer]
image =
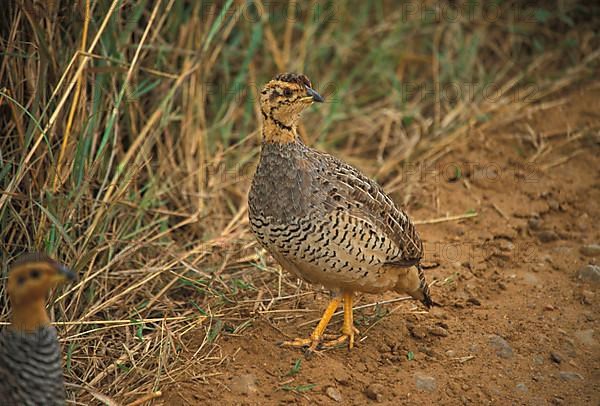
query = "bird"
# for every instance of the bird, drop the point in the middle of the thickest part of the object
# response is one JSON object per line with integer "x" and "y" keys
{"x": 30, "y": 355}
{"x": 325, "y": 221}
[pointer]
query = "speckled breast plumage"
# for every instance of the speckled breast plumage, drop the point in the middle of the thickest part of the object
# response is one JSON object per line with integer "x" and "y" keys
{"x": 30, "y": 368}
{"x": 326, "y": 222}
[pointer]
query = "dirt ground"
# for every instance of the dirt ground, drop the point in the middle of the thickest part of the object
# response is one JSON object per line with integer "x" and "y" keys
{"x": 518, "y": 323}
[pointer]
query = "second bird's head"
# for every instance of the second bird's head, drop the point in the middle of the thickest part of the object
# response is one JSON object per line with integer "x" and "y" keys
{"x": 285, "y": 97}
{"x": 32, "y": 276}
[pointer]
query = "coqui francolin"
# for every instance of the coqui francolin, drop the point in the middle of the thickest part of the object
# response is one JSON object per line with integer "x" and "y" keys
{"x": 323, "y": 220}
{"x": 30, "y": 356}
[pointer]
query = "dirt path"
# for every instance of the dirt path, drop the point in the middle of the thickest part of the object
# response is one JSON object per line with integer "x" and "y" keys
{"x": 517, "y": 326}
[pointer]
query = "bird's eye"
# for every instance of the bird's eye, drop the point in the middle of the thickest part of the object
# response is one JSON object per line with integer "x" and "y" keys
{"x": 35, "y": 274}
{"x": 20, "y": 280}
{"x": 287, "y": 92}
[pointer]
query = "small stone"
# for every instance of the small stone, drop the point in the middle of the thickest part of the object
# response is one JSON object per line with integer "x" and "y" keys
{"x": 549, "y": 307}
{"x": 589, "y": 273}
{"x": 583, "y": 222}
{"x": 534, "y": 223}
{"x": 438, "y": 331}
{"x": 556, "y": 357}
{"x": 553, "y": 204}
{"x": 439, "y": 313}
{"x": 334, "y": 393}
{"x": 502, "y": 347}
{"x": 546, "y": 236}
{"x": 425, "y": 383}
{"x": 586, "y": 337}
{"x": 569, "y": 376}
{"x": 590, "y": 250}
{"x": 568, "y": 347}
{"x": 244, "y": 384}
{"x": 418, "y": 332}
{"x": 506, "y": 246}
{"x": 375, "y": 392}
{"x": 451, "y": 353}
{"x": 384, "y": 348}
{"x": 474, "y": 301}
{"x": 521, "y": 387}
{"x": 538, "y": 359}
{"x": 530, "y": 278}
{"x": 425, "y": 350}
{"x": 587, "y": 297}
{"x": 342, "y": 377}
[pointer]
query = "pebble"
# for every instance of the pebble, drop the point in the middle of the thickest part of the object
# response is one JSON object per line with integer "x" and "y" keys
{"x": 502, "y": 347}
{"x": 428, "y": 351}
{"x": 530, "y": 278}
{"x": 438, "y": 313}
{"x": 438, "y": 331}
{"x": 583, "y": 222}
{"x": 521, "y": 387}
{"x": 587, "y": 297}
{"x": 568, "y": 347}
{"x": 556, "y": 357}
{"x": 375, "y": 392}
{"x": 586, "y": 337}
{"x": 334, "y": 393}
{"x": 384, "y": 348}
{"x": 569, "y": 375}
{"x": 244, "y": 384}
{"x": 474, "y": 301}
{"x": 589, "y": 273}
{"x": 418, "y": 332}
{"x": 342, "y": 377}
{"x": 547, "y": 236}
{"x": 425, "y": 383}
{"x": 590, "y": 250}
{"x": 506, "y": 245}
{"x": 534, "y": 223}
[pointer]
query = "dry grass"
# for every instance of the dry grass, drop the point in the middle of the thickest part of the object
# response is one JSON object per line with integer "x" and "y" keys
{"x": 129, "y": 135}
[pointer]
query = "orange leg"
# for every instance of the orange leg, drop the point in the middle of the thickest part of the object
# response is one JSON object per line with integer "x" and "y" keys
{"x": 348, "y": 329}
{"x": 317, "y": 335}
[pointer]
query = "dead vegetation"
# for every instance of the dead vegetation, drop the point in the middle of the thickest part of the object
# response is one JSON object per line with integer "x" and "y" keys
{"x": 129, "y": 135}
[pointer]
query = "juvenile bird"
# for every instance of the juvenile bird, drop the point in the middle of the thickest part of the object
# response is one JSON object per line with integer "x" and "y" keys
{"x": 30, "y": 356}
{"x": 322, "y": 219}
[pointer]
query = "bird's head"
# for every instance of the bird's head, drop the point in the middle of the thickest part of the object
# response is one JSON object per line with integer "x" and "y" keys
{"x": 282, "y": 100}
{"x": 32, "y": 276}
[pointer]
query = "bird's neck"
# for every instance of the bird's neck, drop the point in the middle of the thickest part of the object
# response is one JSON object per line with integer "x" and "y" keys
{"x": 30, "y": 316}
{"x": 274, "y": 131}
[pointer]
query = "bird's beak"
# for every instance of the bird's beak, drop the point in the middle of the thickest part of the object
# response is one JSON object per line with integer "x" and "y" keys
{"x": 65, "y": 274}
{"x": 316, "y": 97}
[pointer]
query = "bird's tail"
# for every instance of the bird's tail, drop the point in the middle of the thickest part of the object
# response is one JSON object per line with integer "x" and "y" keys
{"x": 424, "y": 288}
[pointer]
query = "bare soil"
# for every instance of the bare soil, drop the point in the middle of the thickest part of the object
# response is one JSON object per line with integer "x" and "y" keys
{"x": 516, "y": 326}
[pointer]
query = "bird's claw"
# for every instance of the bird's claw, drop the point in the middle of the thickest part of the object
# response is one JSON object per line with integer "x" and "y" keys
{"x": 326, "y": 341}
